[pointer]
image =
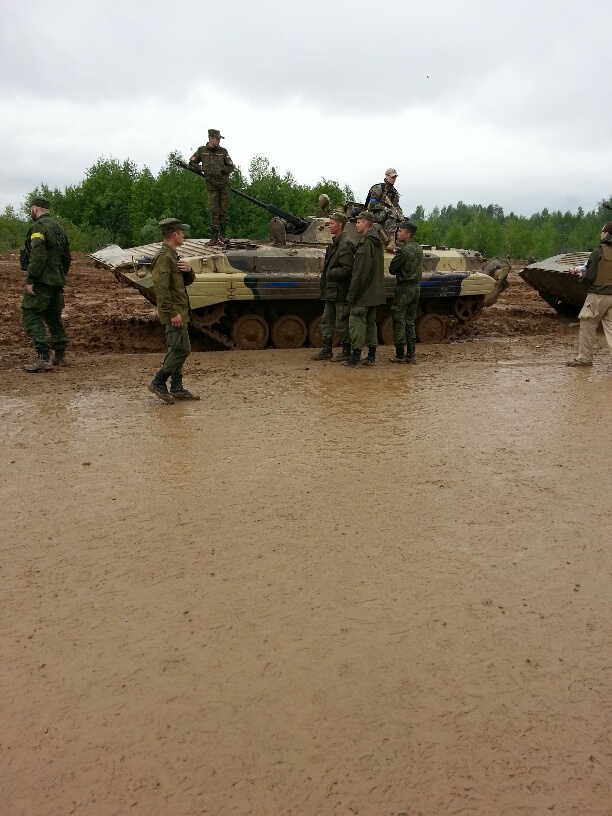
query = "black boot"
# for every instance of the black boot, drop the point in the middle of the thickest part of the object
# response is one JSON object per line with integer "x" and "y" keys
{"x": 400, "y": 354}
{"x": 326, "y": 352}
{"x": 410, "y": 353}
{"x": 158, "y": 386}
{"x": 59, "y": 358}
{"x": 346, "y": 354}
{"x": 214, "y": 237}
{"x": 354, "y": 359}
{"x": 178, "y": 391}
{"x": 370, "y": 360}
{"x": 42, "y": 362}
{"x": 222, "y": 238}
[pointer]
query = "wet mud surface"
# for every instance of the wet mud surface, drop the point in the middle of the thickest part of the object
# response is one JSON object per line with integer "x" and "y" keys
{"x": 315, "y": 591}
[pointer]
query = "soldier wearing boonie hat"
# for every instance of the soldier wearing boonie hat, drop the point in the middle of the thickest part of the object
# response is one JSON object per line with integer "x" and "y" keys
{"x": 383, "y": 201}
{"x": 46, "y": 260}
{"x": 407, "y": 266}
{"x": 171, "y": 276}
{"x": 215, "y": 163}
{"x": 335, "y": 282}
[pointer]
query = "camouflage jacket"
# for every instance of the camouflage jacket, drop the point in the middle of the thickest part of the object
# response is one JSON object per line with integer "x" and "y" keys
{"x": 47, "y": 251}
{"x": 377, "y": 199}
{"x": 407, "y": 263}
{"x": 337, "y": 268}
{"x": 368, "y": 280}
{"x": 216, "y": 164}
{"x": 598, "y": 275}
{"x": 169, "y": 283}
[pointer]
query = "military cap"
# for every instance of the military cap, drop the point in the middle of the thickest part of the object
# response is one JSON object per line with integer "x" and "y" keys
{"x": 212, "y": 132}
{"x": 407, "y": 225}
{"x": 366, "y": 216}
{"x": 390, "y": 171}
{"x": 172, "y": 225}
{"x": 339, "y": 216}
{"x": 40, "y": 201}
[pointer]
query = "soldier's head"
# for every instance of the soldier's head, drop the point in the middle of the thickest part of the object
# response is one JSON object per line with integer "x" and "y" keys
{"x": 390, "y": 175}
{"x": 606, "y": 230}
{"x": 364, "y": 222}
{"x": 173, "y": 232}
{"x": 38, "y": 206}
{"x": 337, "y": 220}
{"x": 406, "y": 231}
{"x": 214, "y": 137}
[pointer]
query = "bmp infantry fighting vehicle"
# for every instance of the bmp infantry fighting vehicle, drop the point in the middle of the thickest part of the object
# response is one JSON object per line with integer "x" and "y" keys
{"x": 555, "y": 285}
{"x": 248, "y": 293}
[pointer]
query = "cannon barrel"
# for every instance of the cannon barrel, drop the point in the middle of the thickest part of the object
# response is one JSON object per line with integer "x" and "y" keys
{"x": 299, "y": 223}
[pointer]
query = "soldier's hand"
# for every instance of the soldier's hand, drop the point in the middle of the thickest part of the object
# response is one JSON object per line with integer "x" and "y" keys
{"x": 177, "y": 321}
{"x": 184, "y": 266}
{"x": 29, "y": 289}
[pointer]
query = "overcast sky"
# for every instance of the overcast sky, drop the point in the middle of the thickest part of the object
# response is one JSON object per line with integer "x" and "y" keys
{"x": 484, "y": 101}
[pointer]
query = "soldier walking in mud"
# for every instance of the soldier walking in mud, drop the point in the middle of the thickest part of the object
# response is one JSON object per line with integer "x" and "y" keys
{"x": 383, "y": 201}
{"x": 335, "y": 282}
{"x": 597, "y": 275}
{"x": 46, "y": 260}
{"x": 171, "y": 276}
{"x": 407, "y": 266}
{"x": 366, "y": 292}
{"x": 216, "y": 165}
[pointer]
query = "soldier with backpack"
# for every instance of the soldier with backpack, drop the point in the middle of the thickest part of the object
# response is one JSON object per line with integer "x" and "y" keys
{"x": 46, "y": 260}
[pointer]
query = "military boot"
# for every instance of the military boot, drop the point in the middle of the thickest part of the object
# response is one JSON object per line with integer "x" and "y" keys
{"x": 391, "y": 244}
{"x": 354, "y": 360}
{"x": 346, "y": 354}
{"x": 158, "y": 386}
{"x": 400, "y": 355}
{"x": 214, "y": 237}
{"x": 42, "y": 362}
{"x": 59, "y": 358}
{"x": 326, "y": 352}
{"x": 178, "y": 390}
{"x": 370, "y": 360}
{"x": 222, "y": 239}
{"x": 410, "y": 351}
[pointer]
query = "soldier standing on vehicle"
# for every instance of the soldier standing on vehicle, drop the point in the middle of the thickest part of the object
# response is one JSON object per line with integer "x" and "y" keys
{"x": 171, "y": 276}
{"x": 597, "y": 275}
{"x": 46, "y": 260}
{"x": 217, "y": 167}
{"x": 383, "y": 201}
{"x": 407, "y": 266}
{"x": 335, "y": 282}
{"x": 366, "y": 292}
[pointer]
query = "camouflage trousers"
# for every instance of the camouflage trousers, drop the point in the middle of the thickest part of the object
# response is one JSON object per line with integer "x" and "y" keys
{"x": 335, "y": 319}
{"x": 218, "y": 204}
{"x": 42, "y": 311}
{"x": 362, "y": 327}
{"x": 179, "y": 349}
{"x": 404, "y": 311}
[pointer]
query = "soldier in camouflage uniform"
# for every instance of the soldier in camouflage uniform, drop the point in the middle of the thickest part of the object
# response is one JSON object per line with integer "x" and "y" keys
{"x": 407, "y": 266}
{"x": 45, "y": 260}
{"x": 383, "y": 201}
{"x": 214, "y": 161}
{"x": 171, "y": 276}
{"x": 335, "y": 282}
{"x": 366, "y": 292}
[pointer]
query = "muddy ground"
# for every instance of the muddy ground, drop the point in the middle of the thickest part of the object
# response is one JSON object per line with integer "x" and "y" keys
{"x": 316, "y": 591}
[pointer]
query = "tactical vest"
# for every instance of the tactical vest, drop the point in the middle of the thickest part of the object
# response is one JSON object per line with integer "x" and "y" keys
{"x": 604, "y": 267}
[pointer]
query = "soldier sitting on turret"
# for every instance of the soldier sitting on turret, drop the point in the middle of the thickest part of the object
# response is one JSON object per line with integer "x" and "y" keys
{"x": 383, "y": 201}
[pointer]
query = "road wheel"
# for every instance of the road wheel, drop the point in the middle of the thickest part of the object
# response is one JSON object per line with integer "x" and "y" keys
{"x": 289, "y": 331}
{"x": 250, "y": 332}
{"x": 386, "y": 331}
{"x": 430, "y": 328}
{"x": 467, "y": 308}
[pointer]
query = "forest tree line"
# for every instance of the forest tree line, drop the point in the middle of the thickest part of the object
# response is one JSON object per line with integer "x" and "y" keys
{"x": 118, "y": 203}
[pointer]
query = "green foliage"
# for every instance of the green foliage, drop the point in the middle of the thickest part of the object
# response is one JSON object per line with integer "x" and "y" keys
{"x": 116, "y": 202}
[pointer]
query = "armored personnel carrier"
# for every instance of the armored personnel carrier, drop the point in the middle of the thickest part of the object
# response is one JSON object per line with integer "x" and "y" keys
{"x": 555, "y": 285}
{"x": 248, "y": 294}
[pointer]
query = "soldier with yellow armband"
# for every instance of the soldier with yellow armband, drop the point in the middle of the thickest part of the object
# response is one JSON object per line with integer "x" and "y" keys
{"x": 45, "y": 260}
